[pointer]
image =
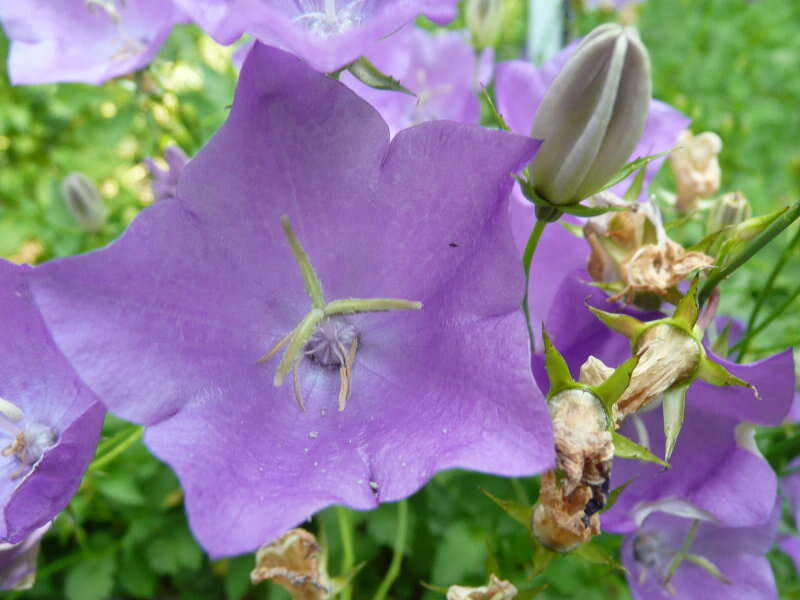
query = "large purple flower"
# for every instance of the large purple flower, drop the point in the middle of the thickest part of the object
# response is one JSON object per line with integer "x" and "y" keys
{"x": 720, "y": 562}
{"x": 329, "y": 34}
{"x": 440, "y": 68}
{"x": 49, "y": 421}
{"x": 89, "y": 41}
{"x": 201, "y": 286}
{"x": 716, "y": 465}
{"x": 790, "y": 486}
{"x": 18, "y": 561}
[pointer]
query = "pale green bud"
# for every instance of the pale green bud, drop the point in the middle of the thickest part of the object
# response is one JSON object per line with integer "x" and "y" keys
{"x": 729, "y": 210}
{"x": 485, "y": 20}
{"x": 83, "y": 202}
{"x": 592, "y": 116}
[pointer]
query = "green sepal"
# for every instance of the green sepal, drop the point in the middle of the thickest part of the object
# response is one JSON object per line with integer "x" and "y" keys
{"x": 721, "y": 345}
{"x": 626, "y": 448}
{"x": 576, "y": 230}
{"x": 630, "y": 167}
{"x": 368, "y": 74}
{"x": 715, "y": 374}
{"x": 674, "y": 409}
{"x": 342, "y": 581}
{"x": 542, "y": 557}
{"x": 501, "y": 122}
{"x": 556, "y": 367}
{"x": 612, "y": 388}
{"x": 521, "y": 513}
{"x": 635, "y": 189}
{"x": 631, "y": 327}
{"x": 688, "y": 309}
{"x": 745, "y": 232}
{"x": 597, "y": 555}
{"x": 579, "y": 210}
{"x": 613, "y": 495}
{"x": 708, "y": 566}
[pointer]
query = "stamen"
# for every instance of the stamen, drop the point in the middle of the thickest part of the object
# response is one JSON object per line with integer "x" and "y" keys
{"x": 10, "y": 411}
{"x": 346, "y": 371}
{"x": 17, "y": 447}
{"x": 274, "y": 350}
{"x": 298, "y": 396}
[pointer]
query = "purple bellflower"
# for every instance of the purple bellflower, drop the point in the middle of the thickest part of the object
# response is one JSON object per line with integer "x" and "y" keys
{"x": 405, "y": 353}
{"x": 49, "y": 420}
{"x": 88, "y": 41}
{"x": 675, "y": 552}
{"x": 18, "y": 561}
{"x": 716, "y": 465}
{"x": 790, "y": 486}
{"x": 165, "y": 181}
{"x": 328, "y": 34}
{"x": 440, "y": 68}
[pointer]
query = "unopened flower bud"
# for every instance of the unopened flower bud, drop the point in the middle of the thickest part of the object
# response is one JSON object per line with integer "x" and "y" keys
{"x": 592, "y": 116}
{"x": 84, "y": 202}
{"x": 485, "y": 20}
{"x": 496, "y": 589}
{"x": 728, "y": 210}
{"x": 295, "y": 561}
{"x": 696, "y": 168}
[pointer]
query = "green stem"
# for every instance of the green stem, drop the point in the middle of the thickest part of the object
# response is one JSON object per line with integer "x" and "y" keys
{"x": 348, "y": 556}
{"x": 101, "y": 461}
{"x": 397, "y": 552}
{"x": 527, "y": 259}
{"x": 767, "y": 289}
{"x": 765, "y": 237}
{"x": 751, "y": 333}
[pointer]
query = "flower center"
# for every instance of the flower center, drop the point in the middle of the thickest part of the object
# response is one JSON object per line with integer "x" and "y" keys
{"x": 324, "y": 336}
{"x": 28, "y": 441}
{"x": 326, "y": 20}
{"x": 330, "y": 344}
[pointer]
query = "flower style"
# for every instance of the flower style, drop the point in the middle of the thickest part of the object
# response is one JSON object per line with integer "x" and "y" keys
{"x": 49, "y": 421}
{"x": 676, "y": 552}
{"x": 440, "y": 68}
{"x": 18, "y": 561}
{"x": 165, "y": 181}
{"x": 328, "y": 34}
{"x": 202, "y": 286}
{"x": 88, "y": 41}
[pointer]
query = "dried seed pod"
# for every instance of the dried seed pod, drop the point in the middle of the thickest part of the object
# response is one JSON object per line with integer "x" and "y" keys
{"x": 560, "y": 521}
{"x": 696, "y": 166}
{"x": 496, "y": 589}
{"x": 296, "y": 562}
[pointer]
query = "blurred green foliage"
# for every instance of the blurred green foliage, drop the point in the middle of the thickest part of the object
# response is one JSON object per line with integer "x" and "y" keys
{"x": 729, "y": 64}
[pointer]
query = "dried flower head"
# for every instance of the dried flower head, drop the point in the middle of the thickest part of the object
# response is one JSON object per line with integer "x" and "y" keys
{"x": 561, "y": 521}
{"x": 696, "y": 166}
{"x": 297, "y": 562}
{"x": 496, "y": 589}
{"x": 633, "y": 257}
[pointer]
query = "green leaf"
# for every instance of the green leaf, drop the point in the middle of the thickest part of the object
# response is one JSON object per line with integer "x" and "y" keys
{"x": 612, "y": 388}
{"x": 237, "y": 576}
{"x": 596, "y": 554}
{"x": 136, "y": 577}
{"x": 343, "y": 581}
{"x": 368, "y": 74}
{"x": 91, "y": 579}
{"x": 542, "y": 558}
{"x": 708, "y": 566}
{"x": 521, "y": 513}
{"x": 626, "y": 448}
{"x": 460, "y": 555}
{"x": 556, "y": 367}
{"x": 121, "y": 488}
{"x": 674, "y": 408}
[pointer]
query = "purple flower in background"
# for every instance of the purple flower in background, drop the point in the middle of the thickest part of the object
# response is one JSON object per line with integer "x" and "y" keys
{"x": 202, "y": 286}
{"x": 716, "y": 465}
{"x": 165, "y": 181}
{"x": 49, "y": 421}
{"x": 329, "y": 34}
{"x": 520, "y": 87}
{"x": 720, "y": 562}
{"x": 440, "y": 68}
{"x": 790, "y": 486}
{"x": 18, "y": 561}
{"x": 89, "y": 41}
